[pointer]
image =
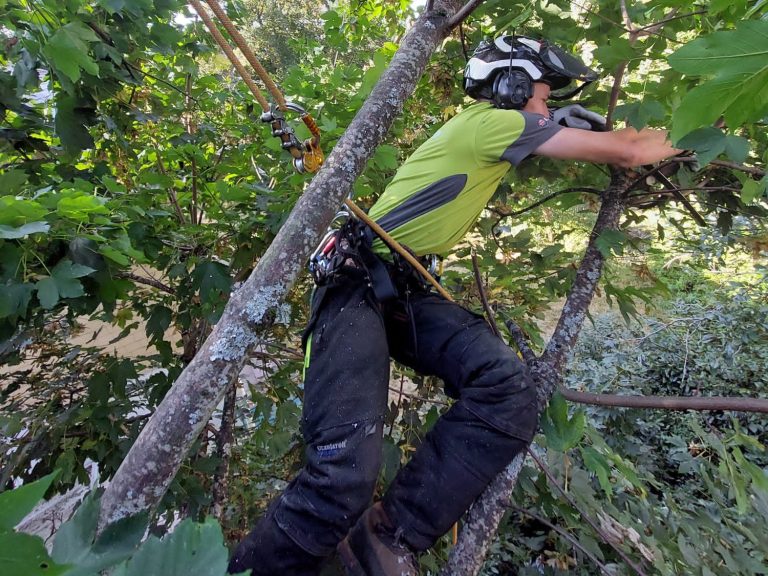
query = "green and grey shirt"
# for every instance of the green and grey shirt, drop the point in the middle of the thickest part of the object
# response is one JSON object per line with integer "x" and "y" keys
{"x": 439, "y": 192}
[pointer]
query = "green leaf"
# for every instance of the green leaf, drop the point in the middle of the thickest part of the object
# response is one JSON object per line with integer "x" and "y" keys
{"x": 9, "y": 233}
{"x": 736, "y": 148}
{"x": 191, "y": 549}
{"x": 19, "y": 211}
{"x": 68, "y": 50}
{"x": 638, "y": 114}
{"x": 611, "y": 241}
{"x": 617, "y": 50}
{"x": 74, "y": 537}
{"x": 12, "y": 181}
{"x": 385, "y": 157}
{"x": 14, "y": 299}
{"x": 213, "y": 280}
{"x": 159, "y": 321}
{"x": 66, "y": 269}
{"x": 599, "y": 465}
{"x": 76, "y": 542}
{"x": 372, "y": 74}
{"x": 80, "y": 208}
{"x": 62, "y": 283}
{"x": 708, "y": 143}
{"x": 17, "y": 503}
{"x": 112, "y": 6}
{"x": 25, "y": 555}
{"x": 114, "y": 255}
{"x": 562, "y": 433}
{"x": 735, "y": 63}
{"x": 71, "y": 123}
{"x": 743, "y": 50}
{"x": 47, "y": 292}
{"x": 751, "y": 190}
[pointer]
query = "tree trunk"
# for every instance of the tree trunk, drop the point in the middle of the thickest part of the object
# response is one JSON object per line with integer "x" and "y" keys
{"x": 483, "y": 519}
{"x": 154, "y": 459}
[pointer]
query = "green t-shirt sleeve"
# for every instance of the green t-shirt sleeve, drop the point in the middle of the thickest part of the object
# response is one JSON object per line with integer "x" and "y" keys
{"x": 512, "y": 135}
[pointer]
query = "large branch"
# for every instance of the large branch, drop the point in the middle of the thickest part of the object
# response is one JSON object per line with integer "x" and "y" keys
{"x": 483, "y": 519}
{"x": 158, "y": 452}
{"x": 668, "y": 402}
{"x": 574, "y": 312}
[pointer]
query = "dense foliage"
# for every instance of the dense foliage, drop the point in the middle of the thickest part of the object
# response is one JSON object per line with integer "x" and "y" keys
{"x": 137, "y": 187}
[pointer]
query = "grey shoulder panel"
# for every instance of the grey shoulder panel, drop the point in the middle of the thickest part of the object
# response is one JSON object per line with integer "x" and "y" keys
{"x": 538, "y": 129}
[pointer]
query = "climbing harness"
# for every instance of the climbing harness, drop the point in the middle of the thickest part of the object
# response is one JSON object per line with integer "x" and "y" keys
{"x": 397, "y": 248}
{"x": 307, "y": 155}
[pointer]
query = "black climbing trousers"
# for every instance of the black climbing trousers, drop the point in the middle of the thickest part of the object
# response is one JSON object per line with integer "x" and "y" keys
{"x": 349, "y": 342}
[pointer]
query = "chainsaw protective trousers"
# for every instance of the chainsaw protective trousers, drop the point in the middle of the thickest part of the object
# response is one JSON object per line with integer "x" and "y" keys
{"x": 349, "y": 341}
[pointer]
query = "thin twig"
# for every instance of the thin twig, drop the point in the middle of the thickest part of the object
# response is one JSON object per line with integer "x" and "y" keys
{"x": 158, "y": 79}
{"x": 224, "y": 442}
{"x": 503, "y": 213}
{"x": 190, "y": 126}
{"x": 625, "y": 15}
{"x": 682, "y": 199}
{"x": 655, "y": 27}
{"x": 736, "y": 166}
{"x": 685, "y": 360}
{"x": 618, "y": 24}
{"x": 669, "y": 19}
{"x": 617, "y": 79}
{"x": 490, "y": 316}
{"x": 641, "y": 177}
{"x": 599, "y": 531}
{"x": 416, "y": 397}
{"x": 695, "y": 189}
{"x": 146, "y": 281}
{"x": 171, "y": 191}
{"x": 399, "y": 402}
{"x": 564, "y": 534}
{"x": 529, "y": 357}
{"x": 462, "y": 13}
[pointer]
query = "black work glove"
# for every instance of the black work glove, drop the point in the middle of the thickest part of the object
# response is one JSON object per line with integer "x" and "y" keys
{"x": 576, "y": 116}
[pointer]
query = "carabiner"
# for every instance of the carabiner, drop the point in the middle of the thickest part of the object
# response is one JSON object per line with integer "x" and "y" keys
{"x": 307, "y": 155}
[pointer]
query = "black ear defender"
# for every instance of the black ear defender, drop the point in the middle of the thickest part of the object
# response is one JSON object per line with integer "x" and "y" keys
{"x": 512, "y": 89}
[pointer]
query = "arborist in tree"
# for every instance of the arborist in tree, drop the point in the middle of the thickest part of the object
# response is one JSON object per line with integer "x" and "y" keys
{"x": 370, "y": 304}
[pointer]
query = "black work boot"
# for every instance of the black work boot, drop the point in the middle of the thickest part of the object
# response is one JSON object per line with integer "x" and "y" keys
{"x": 372, "y": 548}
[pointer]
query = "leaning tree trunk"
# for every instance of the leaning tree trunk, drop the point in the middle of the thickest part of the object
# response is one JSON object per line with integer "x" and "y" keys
{"x": 155, "y": 457}
{"x": 483, "y": 519}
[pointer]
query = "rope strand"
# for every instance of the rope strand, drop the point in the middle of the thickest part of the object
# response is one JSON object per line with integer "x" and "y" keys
{"x": 248, "y": 53}
{"x": 224, "y": 45}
